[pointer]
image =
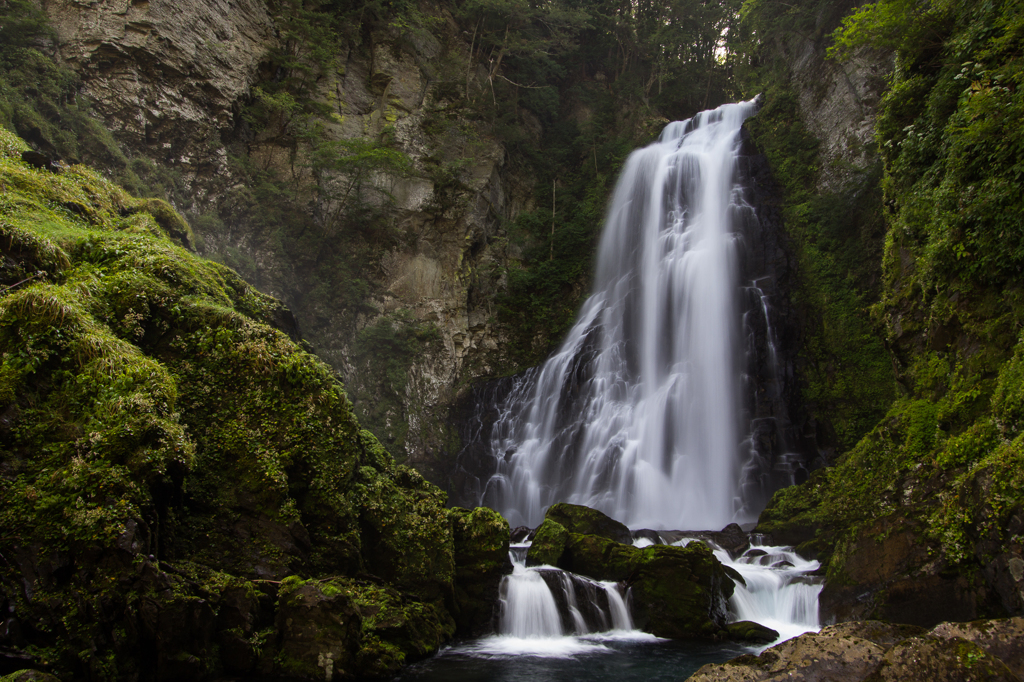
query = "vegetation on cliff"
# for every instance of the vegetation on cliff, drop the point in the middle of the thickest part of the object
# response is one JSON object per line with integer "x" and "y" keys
{"x": 177, "y": 475}
{"x": 935, "y": 487}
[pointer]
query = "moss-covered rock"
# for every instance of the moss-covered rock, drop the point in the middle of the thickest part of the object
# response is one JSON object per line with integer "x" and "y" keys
{"x": 481, "y": 560}
{"x": 548, "y": 545}
{"x": 600, "y": 558}
{"x": 680, "y": 592}
{"x": 167, "y": 454}
{"x": 749, "y": 631}
{"x": 677, "y": 592}
{"x": 576, "y": 518}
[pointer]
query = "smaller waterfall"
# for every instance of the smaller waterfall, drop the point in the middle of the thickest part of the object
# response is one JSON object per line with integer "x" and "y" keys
{"x": 528, "y": 607}
{"x": 548, "y": 612}
{"x": 780, "y": 591}
{"x": 544, "y": 601}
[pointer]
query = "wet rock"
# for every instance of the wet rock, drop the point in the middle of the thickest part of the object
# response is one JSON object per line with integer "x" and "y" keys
{"x": 749, "y": 631}
{"x": 679, "y": 592}
{"x": 520, "y": 534}
{"x": 548, "y": 544}
{"x": 930, "y": 659}
{"x": 600, "y": 558}
{"x": 808, "y": 658}
{"x": 481, "y": 560}
{"x": 1002, "y": 638}
{"x": 586, "y": 521}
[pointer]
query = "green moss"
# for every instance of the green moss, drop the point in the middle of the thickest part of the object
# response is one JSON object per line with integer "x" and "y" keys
{"x": 152, "y": 408}
{"x": 548, "y": 544}
{"x": 837, "y": 236}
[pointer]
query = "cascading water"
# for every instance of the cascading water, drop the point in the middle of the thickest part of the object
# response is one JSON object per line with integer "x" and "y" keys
{"x": 779, "y": 593}
{"x": 639, "y": 413}
{"x": 660, "y": 408}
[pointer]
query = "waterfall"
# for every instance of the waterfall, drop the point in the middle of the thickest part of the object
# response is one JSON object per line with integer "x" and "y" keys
{"x": 640, "y": 412}
{"x": 779, "y": 593}
{"x": 544, "y": 602}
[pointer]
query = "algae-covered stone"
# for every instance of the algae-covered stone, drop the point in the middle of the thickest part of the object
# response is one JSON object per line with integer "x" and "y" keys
{"x": 481, "y": 538}
{"x": 167, "y": 452}
{"x": 396, "y": 629}
{"x": 599, "y": 558}
{"x": 926, "y": 659}
{"x": 548, "y": 544}
{"x": 320, "y": 632}
{"x": 576, "y": 518}
{"x": 808, "y": 658}
{"x": 680, "y": 592}
{"x": 1000, "y": 637}
{"x": 749, "y": 631}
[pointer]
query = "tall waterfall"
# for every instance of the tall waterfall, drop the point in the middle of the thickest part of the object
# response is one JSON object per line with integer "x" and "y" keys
{"x": 639, "y": 412}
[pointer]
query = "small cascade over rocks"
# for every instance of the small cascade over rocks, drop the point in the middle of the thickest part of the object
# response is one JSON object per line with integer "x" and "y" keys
{"x": 545, "y": 601}
{"x": 546, "y": 611}
{"x": 780, "y": 592}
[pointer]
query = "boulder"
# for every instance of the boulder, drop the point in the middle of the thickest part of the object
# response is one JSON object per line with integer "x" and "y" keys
{"x": 481, "y": 539}
{"x": 599, "y": 558}
{"x": 679, "y": 592}
{"x": 576, "y": 518}
{"x": 884, "y": 635}
{"x": 808, "y": 658}
{"x": 548, "y": 544}
{"x": 1002, "y": 638}
{"x": 749, "y": 631}
{"x": 872, "y": 651}
{"x": 931, "y": 659}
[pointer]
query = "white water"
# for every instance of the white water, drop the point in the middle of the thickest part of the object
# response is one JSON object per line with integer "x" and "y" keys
{"x": 638, "y": 413}
{"x": 530, "y": 622}
{"x": 784, "y": 598}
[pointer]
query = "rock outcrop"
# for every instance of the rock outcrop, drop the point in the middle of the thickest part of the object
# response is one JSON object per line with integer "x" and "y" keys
{"x": 677, "y": 592}
{"x": 481, "y": 561}
{"x": 185, "y": 490}
{"x": 871, "y": 650}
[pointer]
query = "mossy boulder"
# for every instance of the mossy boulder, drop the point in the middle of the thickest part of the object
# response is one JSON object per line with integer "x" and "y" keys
{"x": 680, "y": 592}
{"x": 749, "y": 631}
{"x": 677, "y": 592}
{"x": 576, "y": 518}
{"x": 481, "y": 558}
{"x": 167, "y": 453}
{"x": 600, "y": 558}
{"x": 548, "y": 545}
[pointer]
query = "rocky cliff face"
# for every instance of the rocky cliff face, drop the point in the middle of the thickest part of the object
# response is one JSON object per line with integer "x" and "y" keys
{"x": 167, "y": 77}
{"x": 171, "y": 81}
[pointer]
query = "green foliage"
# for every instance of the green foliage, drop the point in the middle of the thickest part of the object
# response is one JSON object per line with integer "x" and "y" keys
{"x": 348, "y": 179}
{"x": 837, "y": 238}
